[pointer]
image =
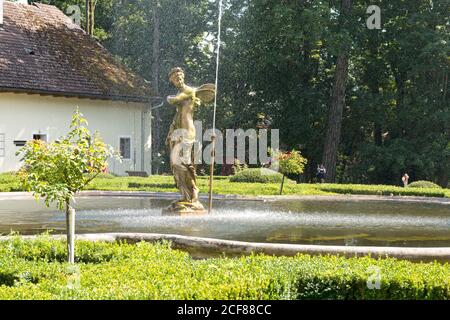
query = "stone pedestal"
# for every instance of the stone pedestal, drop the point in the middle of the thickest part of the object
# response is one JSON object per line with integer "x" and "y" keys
{"x": 185, "y": 208}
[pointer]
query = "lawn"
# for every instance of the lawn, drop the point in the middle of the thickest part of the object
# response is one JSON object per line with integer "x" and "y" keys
{"x": 36, "y": 270}
{"x": 222, "y": 185}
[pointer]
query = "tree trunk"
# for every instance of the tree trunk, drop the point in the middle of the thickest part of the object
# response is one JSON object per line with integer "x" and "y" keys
{"x": 333, "y": 134}
{"x": 88, "y": 20}
{"x": 443, "y": 179}
{"x": 92, "y": 17}
{"x": 401, "y": 92}
{"x": 443, "y": 175}
{"x": 70, "y": 228}
{"x": 90, "y": 8}
{"x": 378, "y": 134}
{"x": 282, "y": 185}
{"x": 156, "y": 136}
{"x": 377, "y": 127}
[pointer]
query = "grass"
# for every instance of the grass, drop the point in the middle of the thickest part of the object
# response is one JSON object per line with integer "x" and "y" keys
{"x": 9, "y": 182}
{"x": 36, "y": 270}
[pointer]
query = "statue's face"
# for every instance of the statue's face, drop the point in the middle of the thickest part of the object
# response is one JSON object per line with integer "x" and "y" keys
{"x": 177, "y": 79}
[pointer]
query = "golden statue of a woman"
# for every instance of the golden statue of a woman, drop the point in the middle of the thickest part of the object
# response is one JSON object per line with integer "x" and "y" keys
{"x": 181, "y": 140}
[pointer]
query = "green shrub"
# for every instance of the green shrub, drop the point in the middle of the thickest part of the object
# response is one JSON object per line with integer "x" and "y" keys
{"x": 257, "y": 176}
{"x": 7, "y": 178}
{"x": 10, "y": 182}
{"x": 382, "y": 190}
{"x": 291, "y": 162}
{"x": 238, "y": 166}
{"x": 36, "y": 270}
{"x": 423, "y": 184}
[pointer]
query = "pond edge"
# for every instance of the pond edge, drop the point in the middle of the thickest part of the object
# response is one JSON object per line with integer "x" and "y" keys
{"x": 174, "y": 196}
{"x": 208, "y": 247}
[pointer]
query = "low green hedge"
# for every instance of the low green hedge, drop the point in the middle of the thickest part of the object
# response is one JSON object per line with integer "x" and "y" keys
{"x": 257, "y": 176}
{"x": 35, "y": 270}
{"x": 382, "y": 190}
{"x": 9, "y": 182}
{"x": 423, "y": 184}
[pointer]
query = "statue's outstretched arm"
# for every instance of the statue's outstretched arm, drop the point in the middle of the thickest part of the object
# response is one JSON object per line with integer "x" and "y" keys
{"x": 178, "y": 98}
{"x": 206, "y": 93}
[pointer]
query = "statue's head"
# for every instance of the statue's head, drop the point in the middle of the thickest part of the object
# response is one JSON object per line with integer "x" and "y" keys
{"x": 176, "y": 77}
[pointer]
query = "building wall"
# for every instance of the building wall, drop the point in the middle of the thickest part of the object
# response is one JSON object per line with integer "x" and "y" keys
{"x": 22, "y": 115}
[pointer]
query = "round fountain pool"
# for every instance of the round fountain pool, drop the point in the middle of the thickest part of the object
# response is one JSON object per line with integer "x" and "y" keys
{"x": 326, "y": 222}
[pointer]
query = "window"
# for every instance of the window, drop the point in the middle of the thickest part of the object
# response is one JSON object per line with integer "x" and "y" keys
{"x": 2, "y": 145}
{"x": 19, "y": 143}
{"x": 40, "y": 136}
{"x": 125, "y": 148}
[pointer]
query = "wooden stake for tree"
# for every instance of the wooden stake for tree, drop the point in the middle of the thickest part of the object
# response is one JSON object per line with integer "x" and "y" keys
{"x": 282, "y": 185}
{"x": 70, "y": 228}
{"x": 211, "y": 173}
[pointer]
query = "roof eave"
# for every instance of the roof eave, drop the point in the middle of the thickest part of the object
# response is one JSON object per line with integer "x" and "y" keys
{"x": 81, "y": 95}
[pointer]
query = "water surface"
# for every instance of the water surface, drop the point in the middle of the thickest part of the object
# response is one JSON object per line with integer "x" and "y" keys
{"x": 379, "y": 223}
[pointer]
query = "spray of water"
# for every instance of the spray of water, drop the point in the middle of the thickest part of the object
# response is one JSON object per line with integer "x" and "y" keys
{"x": 219, "y": 34}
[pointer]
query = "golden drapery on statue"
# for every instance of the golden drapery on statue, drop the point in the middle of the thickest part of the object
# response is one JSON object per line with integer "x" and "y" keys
{"x": 181, "y": 139}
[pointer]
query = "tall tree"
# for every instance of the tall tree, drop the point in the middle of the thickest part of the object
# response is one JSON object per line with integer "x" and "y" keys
{"x": 337, "y": 101}
{"x": 90, "y": 18}
{"x": 156, "y": 128}
{"x": 388, "y": 110}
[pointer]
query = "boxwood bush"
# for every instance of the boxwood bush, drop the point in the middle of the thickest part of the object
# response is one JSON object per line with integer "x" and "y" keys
{"x": 9, "y": 182}
{"x": 423, "y": 184}
{"x": 257, "y": 175}
{"x": 382, "y": 190}
{"x": 36, "y": 270}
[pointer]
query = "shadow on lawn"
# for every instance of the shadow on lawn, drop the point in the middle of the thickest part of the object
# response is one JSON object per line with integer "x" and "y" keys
{"x": 135, "y": 185}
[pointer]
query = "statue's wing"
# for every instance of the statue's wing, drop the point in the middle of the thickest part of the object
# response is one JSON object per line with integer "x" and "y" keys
{"x": 206, "y": 92}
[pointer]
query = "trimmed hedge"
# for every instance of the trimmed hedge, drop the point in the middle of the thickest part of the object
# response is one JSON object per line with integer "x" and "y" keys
{"x": 382, "y": 190}
{"x": 35, "y": 270}
{"x": 9, "y": 182}
{"x": 423, "y": 184}
{"x": 255, "y": 175}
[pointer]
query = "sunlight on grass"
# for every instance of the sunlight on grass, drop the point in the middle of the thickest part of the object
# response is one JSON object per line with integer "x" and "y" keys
{"x": 222, "y": 185}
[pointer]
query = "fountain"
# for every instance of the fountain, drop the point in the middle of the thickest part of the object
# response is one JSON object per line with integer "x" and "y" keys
{"x": 317, "y": 222}
{"x": 182, "y": 135}
{"x": 280, "y": 226}
{"x": 181, "y": 140}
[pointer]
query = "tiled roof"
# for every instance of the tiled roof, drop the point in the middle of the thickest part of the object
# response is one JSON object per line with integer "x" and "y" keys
{"x": 43, "y": 51}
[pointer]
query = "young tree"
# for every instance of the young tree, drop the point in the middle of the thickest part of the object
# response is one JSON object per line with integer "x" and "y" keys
{"x": 291, "y": 162}
{"x": 56, "y": 171}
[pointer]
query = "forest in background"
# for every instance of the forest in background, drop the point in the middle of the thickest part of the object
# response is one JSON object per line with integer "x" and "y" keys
{"x": 369, "y": 104}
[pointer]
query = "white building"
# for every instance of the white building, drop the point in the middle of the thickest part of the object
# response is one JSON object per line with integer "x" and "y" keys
{"x": 48, "y": 67}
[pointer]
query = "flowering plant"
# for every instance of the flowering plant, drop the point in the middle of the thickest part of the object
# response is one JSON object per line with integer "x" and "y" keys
{"x": 291, "y": 162}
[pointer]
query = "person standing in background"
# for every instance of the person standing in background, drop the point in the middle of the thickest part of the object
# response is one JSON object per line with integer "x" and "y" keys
{"x": 405, "y": 179}
{"x": 321, "y": 172}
